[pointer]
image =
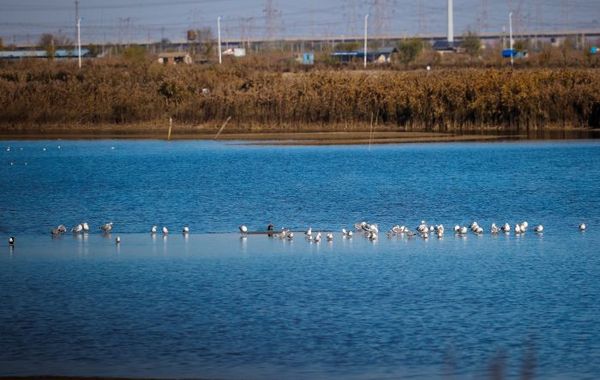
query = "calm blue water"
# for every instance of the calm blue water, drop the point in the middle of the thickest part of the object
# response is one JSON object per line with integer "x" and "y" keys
{"x": 214, "y": 305}
{"x": 215, "y": 187}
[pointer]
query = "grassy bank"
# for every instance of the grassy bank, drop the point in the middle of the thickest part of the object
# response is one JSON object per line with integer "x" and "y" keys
{"x": 131, "y": 99}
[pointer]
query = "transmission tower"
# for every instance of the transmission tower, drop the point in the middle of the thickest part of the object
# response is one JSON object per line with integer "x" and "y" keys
{"x": 272, "y": 19}
{"x": 517, "y": 10}
{"x": 421, "y": 13}
{"x": 539, "y": 16}
{"x": 351, "y": 11}
{"x": 565, "y": 8}
{"x": 484, "y": 7}
{"x": 245, "y": 31}
{"x": 381, "y": 14}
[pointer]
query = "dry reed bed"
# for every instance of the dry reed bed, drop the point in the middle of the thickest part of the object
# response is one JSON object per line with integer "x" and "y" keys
{"x": 257, "y": 101}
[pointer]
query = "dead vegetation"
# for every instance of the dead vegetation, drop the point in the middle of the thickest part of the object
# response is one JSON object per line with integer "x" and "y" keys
{"x": 38, "y": 94}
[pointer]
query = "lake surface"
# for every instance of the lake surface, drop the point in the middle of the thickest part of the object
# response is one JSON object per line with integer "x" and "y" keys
{"x": 213, "y": 305}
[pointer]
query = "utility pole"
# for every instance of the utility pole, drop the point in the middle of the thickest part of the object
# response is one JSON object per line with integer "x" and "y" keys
{"x": 78, "y": 32}
{"x": 366, "y": 36}
{"x": 219, "y": 39}
{"x": 510, "y": 39}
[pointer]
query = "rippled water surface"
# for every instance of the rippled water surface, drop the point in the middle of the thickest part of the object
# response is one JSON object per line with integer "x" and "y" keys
{"x": 214, "y": 305}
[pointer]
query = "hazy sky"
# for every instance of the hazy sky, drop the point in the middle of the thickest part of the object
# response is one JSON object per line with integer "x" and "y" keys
{"x": 149, "y": 20}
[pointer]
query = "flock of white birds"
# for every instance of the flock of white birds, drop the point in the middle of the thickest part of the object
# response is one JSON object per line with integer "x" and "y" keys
{"x": 423, "y": 230}
{"x": 368, "y": 230}
{"x": 106, "y": 228}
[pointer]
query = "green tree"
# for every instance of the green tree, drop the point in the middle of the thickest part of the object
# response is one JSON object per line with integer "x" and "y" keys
{"x": 47, "y": 43}
{"x": 347, "y": 46}
{"x": 134, "y": 54}
{"x": 94, "y": 50}
{"x": 409, "y": 49}
{"x": 50, "y": 43}
{"x": 205, "y": 42}
{"x": 521, "y": 45}
{"x": 472, "y": 44}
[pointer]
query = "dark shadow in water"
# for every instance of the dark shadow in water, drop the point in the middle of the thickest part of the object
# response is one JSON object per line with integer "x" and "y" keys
{"x": 498, "y": 369}
{"x": 497, "y": 366}
{"x": 536, "y": 134}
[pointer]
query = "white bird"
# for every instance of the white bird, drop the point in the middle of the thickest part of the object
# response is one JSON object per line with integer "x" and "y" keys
{"x": 165, "y": 231}
{"x": 524, "y": 226}
{"x": 463, "y": 230}
{"x": 77, "y": 229}
{"x": 11, "y": 241}
{"x": 360, "y": 225}
{"x": 86, "y": 227}
{"x": 505, "y": 228}
{"x": 154, "y": 229}
{"x": 456, "y": 228}
{"x": 118, "y": 240}
{"x": 107, "y": 227}
{"x": 290, "y": 235}
{"x": 582, "y": 227}
{"x": 494, "y": 230}
{"x": 474, "y": 225}
{"x": 440, "y": 234}
{"x": 539, "y": 229}
{"x": 372, "y": 235}
{"x": 373, "y": 228}
{"x": 308, "y": 232}
{"x": 422, "y": 227}
{"x": 243, "y": 229}
{"x": 317, "y": 237}
{"x": 186, "y": 230}
{"x": 329, "y": 237}
{"x": 396, "y": 229}
{"x": 517, "y": 229}
{"x": 478, "y": 231}
{"x": 425, "y": 235}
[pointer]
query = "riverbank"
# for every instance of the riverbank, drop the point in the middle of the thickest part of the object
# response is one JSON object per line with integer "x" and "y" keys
{"x": 332, "y": 134}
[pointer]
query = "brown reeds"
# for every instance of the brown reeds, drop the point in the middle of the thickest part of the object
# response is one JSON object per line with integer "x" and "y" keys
{"x": 446, "y": 100}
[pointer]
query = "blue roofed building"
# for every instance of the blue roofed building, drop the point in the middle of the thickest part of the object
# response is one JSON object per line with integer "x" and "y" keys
{"x": 58, "y": 54}
{"x": 383, "y": 55}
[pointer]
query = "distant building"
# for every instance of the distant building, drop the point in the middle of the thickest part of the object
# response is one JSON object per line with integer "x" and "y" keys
{"x": 58, "y": 54}
{"x": 383, "y": 55}
{"x": 174, "y": 58}
{"x": 444, "y": 46}
{"x": 308, "y": 59}
{"x": 507, "y": 53}
{"x": 235, "y": 51}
